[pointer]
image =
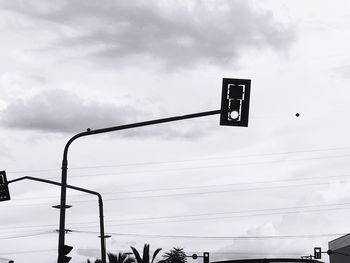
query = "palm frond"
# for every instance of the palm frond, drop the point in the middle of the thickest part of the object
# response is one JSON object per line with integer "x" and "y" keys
{"x": 155, "y": 254}
{"x": 122, "y": 257}
{"x": 112, "y": 258}
{"x": 129, "y": 259}
{"x": 137, "y": 255}
{"x": 145, "y": 256}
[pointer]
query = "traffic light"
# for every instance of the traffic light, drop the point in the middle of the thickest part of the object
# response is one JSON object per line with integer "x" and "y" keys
{"x": 206, "y": 257}
{"x": 317, "y": 253}
{"x": 4, "y": 189}
{"x": 65, "y": 251}
{"x": 235, "y": 102}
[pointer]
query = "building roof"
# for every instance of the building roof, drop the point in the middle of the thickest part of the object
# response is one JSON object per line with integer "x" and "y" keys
{"x": 339, "y": 242}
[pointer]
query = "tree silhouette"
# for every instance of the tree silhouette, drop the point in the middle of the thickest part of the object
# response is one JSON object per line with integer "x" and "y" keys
{"x": 145, "y": 255}
{"x": 120, "y": 258}
{"x": 175, "y": 255}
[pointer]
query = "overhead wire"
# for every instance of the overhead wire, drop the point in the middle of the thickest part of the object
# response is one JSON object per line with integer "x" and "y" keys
{"x": 182, "y": 161}
{"x": 202, "y": 186}
{"x": 26, "y": 251}
{"x": 184, "y": 218}
{"x": 223, "y": 217}
{"x": 181, "y": 194}
{"x": 27, "y": 235}
{"x": 207, "y": 166}
{"x": 217, "y": 186}
{"x": 261, "y": 237}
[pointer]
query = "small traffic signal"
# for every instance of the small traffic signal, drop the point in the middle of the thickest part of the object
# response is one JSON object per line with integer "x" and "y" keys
{"x": 206, "y": 257}
{"x": 65, "y": 251}
{"x": 317, "y": 253}
{"x": 4, "y": 189}
{"x": 235, "y": 102}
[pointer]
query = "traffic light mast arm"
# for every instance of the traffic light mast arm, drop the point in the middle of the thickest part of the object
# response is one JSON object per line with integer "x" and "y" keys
{"x": 136, "y": 125}
{"x": 100, "y": 205}
{"x": 99, "y": 131}
{"x": 55, "y": 183}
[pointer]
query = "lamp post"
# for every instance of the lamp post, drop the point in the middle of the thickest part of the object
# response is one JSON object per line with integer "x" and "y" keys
{"x": 234, "y": 112}
{"x": 100, "y": 205}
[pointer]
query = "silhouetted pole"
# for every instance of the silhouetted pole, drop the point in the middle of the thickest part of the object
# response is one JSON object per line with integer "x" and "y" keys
{"x": 98, "y": 131}
{"x": 100, "y": 205}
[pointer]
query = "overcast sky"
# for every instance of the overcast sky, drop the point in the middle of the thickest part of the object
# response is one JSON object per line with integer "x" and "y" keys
{"x": 275, "y": 189}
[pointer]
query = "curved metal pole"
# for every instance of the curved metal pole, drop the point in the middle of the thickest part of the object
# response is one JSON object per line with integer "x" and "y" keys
{"x": 98, "y": 131}
{"x": 100, "y": 205}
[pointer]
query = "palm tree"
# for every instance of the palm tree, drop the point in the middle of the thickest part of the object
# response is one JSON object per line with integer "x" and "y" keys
{"x": 145, "y": 256}
{"x": 120, "y": 258}
{"x": 175, "y": 255}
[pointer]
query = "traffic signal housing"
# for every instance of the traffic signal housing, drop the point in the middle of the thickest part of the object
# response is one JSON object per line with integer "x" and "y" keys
{"x": 206, "y": 257}
{"x": 4, "y": 189}
{"x": 235, "y": 102}
{"x": 317, "y": 253}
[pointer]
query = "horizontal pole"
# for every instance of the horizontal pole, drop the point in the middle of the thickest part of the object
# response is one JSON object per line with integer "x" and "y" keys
{"x": 140, "y": 124}
{"x": 55, "y": 183}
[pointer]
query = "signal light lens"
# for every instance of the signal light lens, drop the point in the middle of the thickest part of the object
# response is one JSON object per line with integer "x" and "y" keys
{"x": 234, "y": 115}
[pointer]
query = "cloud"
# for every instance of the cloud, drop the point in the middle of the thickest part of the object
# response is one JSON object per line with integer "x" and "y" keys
{"x": 343, "y": 70}
{"x": 172, "y": 34}
{"x": 264, "y": 248}
{"x": 61, "y": 111}
{"x": 5, "y": 152}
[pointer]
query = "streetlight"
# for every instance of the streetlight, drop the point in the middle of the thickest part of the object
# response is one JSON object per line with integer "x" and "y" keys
{"x": 102, "y": 236}
{"x": 228, "y": 101}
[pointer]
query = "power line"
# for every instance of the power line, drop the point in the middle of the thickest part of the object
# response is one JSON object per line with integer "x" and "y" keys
{"x": 218, "y": 237}
{"x": 209, "y": 166}
{"x": 202, "y": 186}
{"x": 181, "y": 194}
{"x": 27, "y": 251}
{"x": 233, "y": 212}
{"x": 28, "y": 235}
{"x": 247, "y": 213}
{"x": 213, "y": 192}
{"x": 225, "y": 217}
{"x": 184, "y": 160}
{"x": 176, "y": 194}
